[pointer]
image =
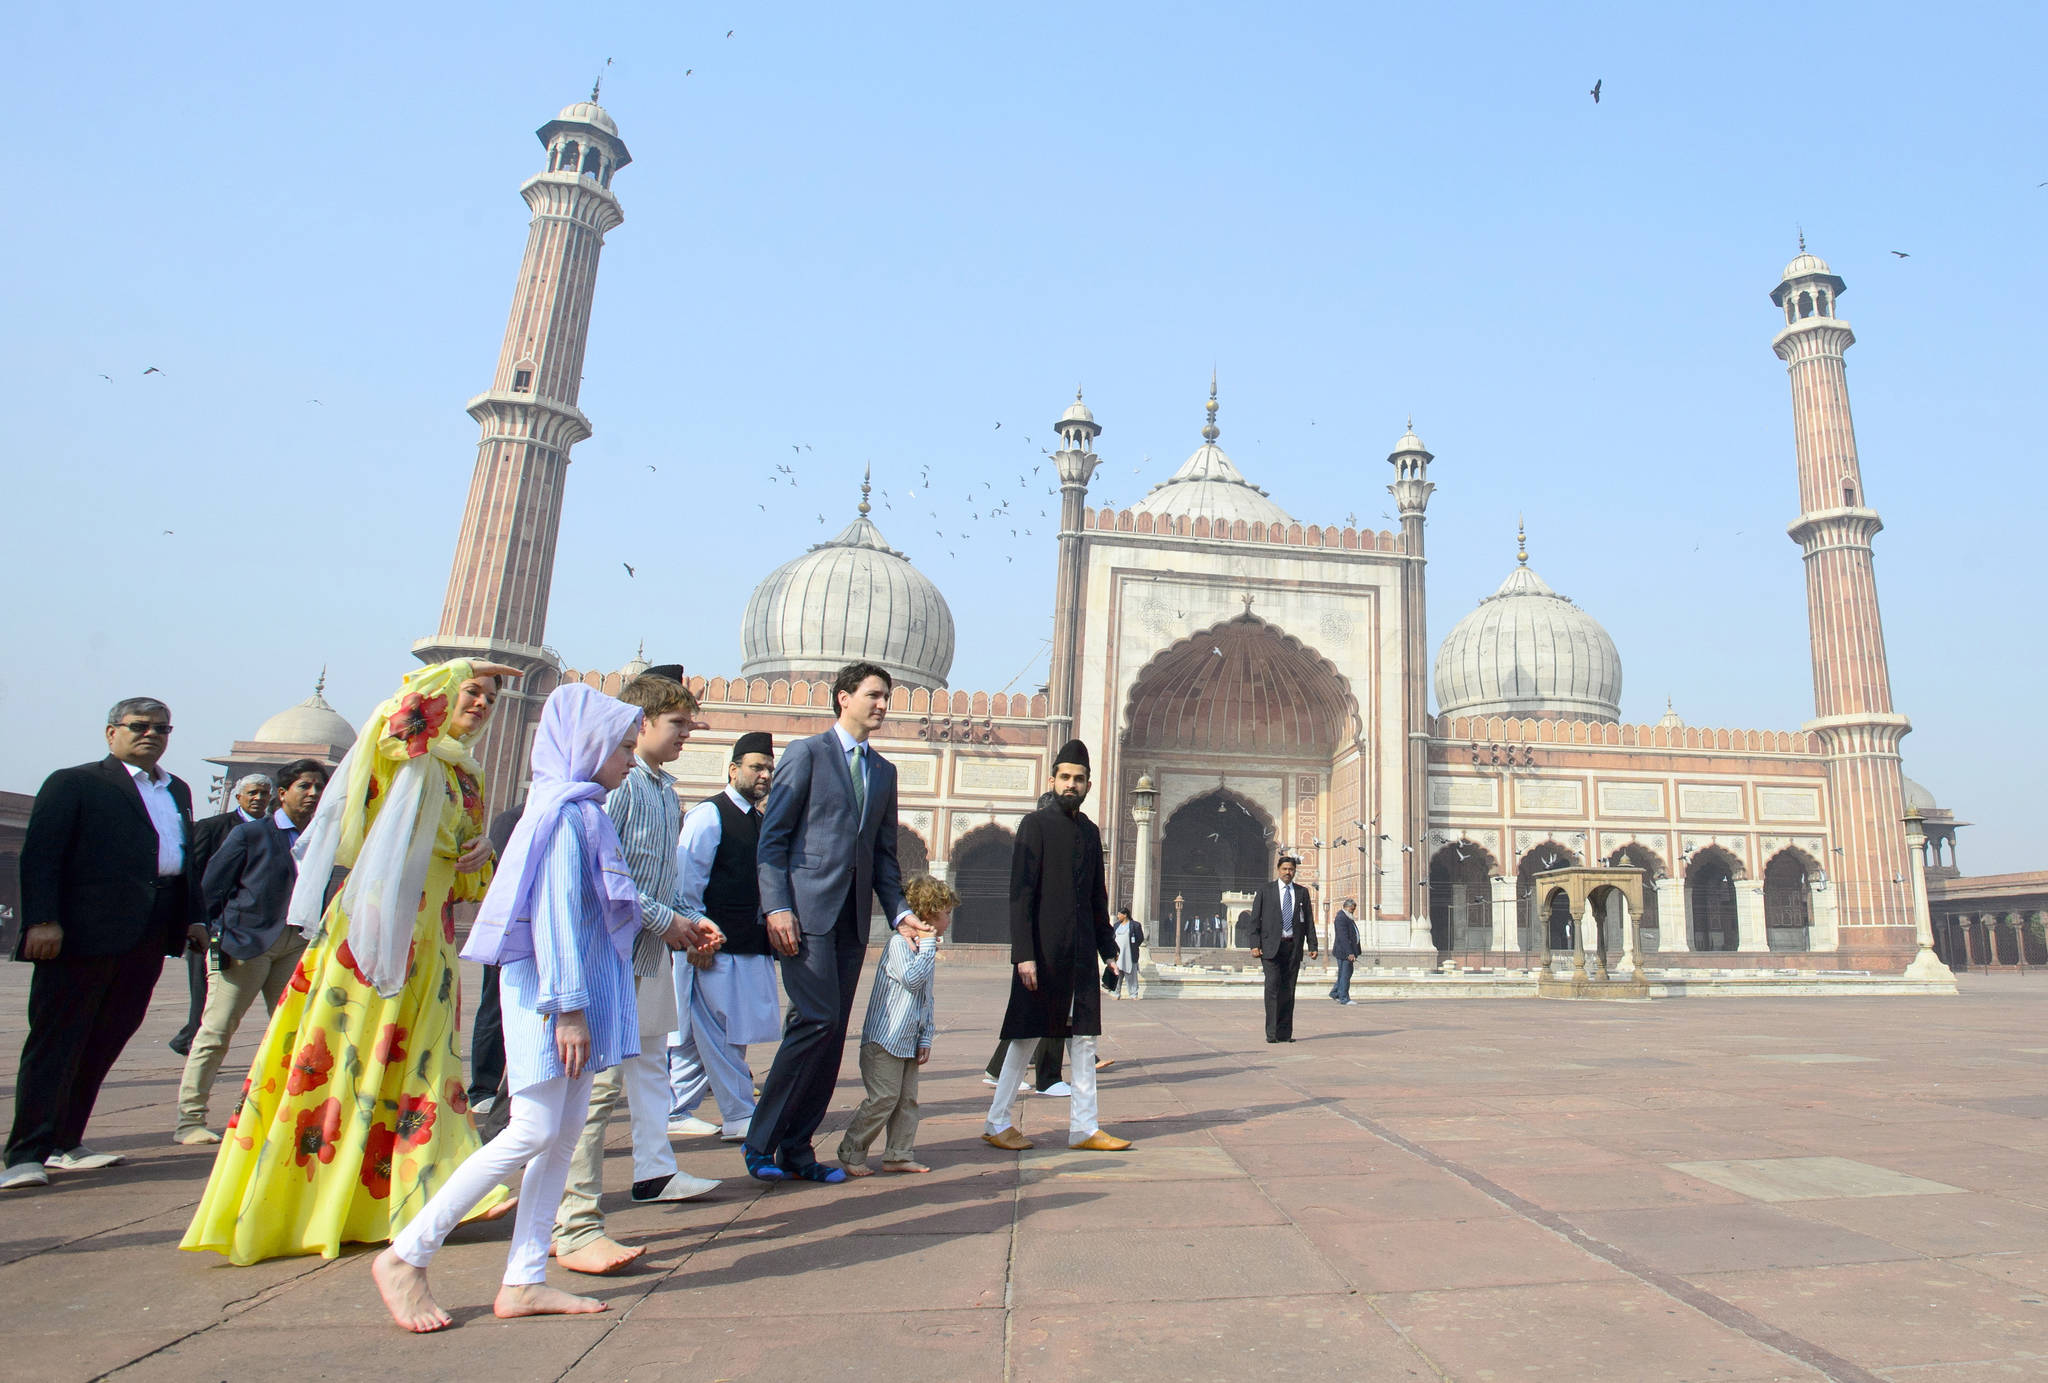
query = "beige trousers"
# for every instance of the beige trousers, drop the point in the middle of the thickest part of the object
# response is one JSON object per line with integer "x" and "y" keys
{"x": 228, "y": 997}
{"x": 891, "y": 1083}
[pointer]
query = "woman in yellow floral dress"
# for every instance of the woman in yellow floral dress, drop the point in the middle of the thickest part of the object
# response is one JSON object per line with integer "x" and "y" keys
{"x": 354, "y": 1112}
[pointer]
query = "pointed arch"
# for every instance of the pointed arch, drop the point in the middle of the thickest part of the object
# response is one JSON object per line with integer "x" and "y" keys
{"x": 980, "y": 873}
{"x": 1240, "y": 685}
{"x": 1789, "y": 877}
{"x": 1710, "y": 876}
{"x": 1545, "y": 854}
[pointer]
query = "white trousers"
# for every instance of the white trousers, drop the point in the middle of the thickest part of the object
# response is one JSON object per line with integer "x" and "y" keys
{"x": 1081, "y": 1110}
{"x": 546, "y": 1120}
{"x": 706, "y": 1060}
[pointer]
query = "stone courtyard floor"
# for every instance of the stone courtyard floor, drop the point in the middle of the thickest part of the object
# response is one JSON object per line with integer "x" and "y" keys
{"x": 1703, "y": 1189}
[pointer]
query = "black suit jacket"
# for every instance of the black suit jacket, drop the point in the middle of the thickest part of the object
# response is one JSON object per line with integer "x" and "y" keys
{"x": 248, "y": 888}
{"x": 1345, "y": 941}
{"x": 206, "y": 837}
{"x": 88, "y": 862}
{"x": 1266, "y": 922}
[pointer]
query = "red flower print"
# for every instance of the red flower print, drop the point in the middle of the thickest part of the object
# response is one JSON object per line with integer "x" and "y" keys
{"x": 348, "y": 958}
{"x": 416, "y": 721}
{"x": 310, "y": 1066}
{"x": 390, "y": 1048}
{"x": 379, "y": 1153}
{"x": 448, "y": 920}
{"x": 302, "y": 981}
{"x": 415, "y": 1120}
{"x": 371, "y": 796}
{"x": 472, "y": 794}
{"x": 455, "y": 1097}
{"x": 241, "y": 1102}
{"x": 315, "y": 1135}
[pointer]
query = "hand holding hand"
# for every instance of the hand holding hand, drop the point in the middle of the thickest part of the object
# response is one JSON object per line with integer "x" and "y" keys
{"x": 914, "y": 929}
{"x": 572, "y": 1042}
{"x": 1027, "y": 973}
{"x": 782, "y": 933}
{"x": 704, "y": 935}
{"x": 475, "y": 855}
{"x": 42, "y": 942}
{"x": 701, "y": 959}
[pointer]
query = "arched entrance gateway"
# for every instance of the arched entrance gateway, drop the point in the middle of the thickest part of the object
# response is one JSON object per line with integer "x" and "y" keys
{"x": 981, "y": 876}
{"x": 1255, "y": 743}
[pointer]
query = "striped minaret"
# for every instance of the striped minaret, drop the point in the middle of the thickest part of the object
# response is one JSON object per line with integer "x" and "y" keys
{"x": 497, "y": 604}
{"x": 1852, "y": 693}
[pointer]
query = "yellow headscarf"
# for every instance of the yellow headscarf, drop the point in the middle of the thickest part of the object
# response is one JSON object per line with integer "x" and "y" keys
{"x": 419, "y": 712}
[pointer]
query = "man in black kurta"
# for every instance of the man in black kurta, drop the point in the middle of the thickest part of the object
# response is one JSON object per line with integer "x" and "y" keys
{"x": 1060, "y": 934}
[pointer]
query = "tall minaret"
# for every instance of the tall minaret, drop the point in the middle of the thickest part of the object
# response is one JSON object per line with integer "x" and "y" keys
{"x": 1852, "y": 693}
{"x": 1077, "y": 461}
{"x": 1411, "y": 491}
{"x": 497, "y": 605}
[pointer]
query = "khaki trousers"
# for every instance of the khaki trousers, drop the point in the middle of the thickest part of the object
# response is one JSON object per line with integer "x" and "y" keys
{"x": 891, "y": 1083}
{"x": 229, "y": 994}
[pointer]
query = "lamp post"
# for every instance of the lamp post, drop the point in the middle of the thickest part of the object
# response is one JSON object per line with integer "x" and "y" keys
{"x": 1177, "y": 901}
{"x": 1144, "y": 808}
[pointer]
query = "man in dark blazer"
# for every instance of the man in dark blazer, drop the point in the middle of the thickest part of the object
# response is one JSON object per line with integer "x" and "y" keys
{"x": 251, "y": 803}
{"x": 1283, "y": 926}
{"x": 1344, "y": 949}
{"x": 105, "y": 896}
{"x": 246, "y": 891}
{"x": 827, "y": 853}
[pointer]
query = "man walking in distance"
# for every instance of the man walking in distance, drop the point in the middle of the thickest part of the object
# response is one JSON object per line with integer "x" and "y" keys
{"x": 1059, "y": 932}
{"x": 246, "y": 890}
{"x": 727, "y": 998}
{"x": 251, "y": 803}
{"x": 1283, "y": 926}
{"x": 827, "y": 854}
{"x": 1344, "y": 949}
{"x": 104, "y": 898}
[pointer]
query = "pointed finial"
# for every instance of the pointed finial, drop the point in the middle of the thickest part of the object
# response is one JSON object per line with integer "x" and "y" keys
{"x": 1521, "y": 543}
{"x": 598, "y": 85}
{"x": 1411, "y": 422}
{"x": 1802, "y": 240}
{"x": 1077, "y": 393}
{"x": 321, "y": 685}
{"x": 1247, "y": 598}
{"x": 866, "y": 475}
{"x": 640, "y": 652}
{"x": 1210, "y": 432}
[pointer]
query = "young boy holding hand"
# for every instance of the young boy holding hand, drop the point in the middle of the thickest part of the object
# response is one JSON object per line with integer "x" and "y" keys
{"x": 896, "y": 1036}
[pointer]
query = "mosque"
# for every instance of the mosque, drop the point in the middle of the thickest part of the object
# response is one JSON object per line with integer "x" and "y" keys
{"x": 1251, "y": 680}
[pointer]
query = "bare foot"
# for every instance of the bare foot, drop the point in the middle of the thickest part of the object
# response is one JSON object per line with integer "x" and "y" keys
{"x": 539, "y": 1299}
{"x": 905, "y": 1167}
{"x": 597, "y": 1258}
{"x": 863, "y": 1170}
{"x": 501, "y": 1209}
{"x": 404, "y": 1289}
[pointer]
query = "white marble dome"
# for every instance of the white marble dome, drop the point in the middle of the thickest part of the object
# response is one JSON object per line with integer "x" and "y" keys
{"x": 1919, "y": 798}
{"x": 1528, "y": 651}
{"x": 1805, "y": 264}
{"x": 312, "y": 721}
{"x": 849, "y": 600}
{"x": 1209, "y": 485}
{"x": 589, "y": 113}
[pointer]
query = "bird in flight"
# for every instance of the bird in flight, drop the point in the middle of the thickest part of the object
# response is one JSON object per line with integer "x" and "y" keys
{"x": 728, "y": 33}
{"x": 821, "y": 518}
{"x": 316, "y": 401}
{"x": 152, "y": 370}
{"x": 168, "y": 533}
{"x": 1596, "y": 91}
{"x": 650, "y": 468}
{"x": 1217, "y": 651}
{"x": 1902, "y": 254}
{"x": 999, "y": 427}
{"x": 762, "y": 507}
{"x": 629, "y": 569}
{"x": 108, "y": 378}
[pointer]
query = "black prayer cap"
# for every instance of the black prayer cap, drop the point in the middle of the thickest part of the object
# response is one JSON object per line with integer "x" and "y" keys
{"x": 753, "y": 742}
{"x": 1072, "y": 752}
{"x": 672, "y": 671}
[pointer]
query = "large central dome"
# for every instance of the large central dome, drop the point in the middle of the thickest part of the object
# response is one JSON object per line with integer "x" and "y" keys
{"x": 1528, "y": 651}
{"x": 853, "y": 599}
{"x": 1209, "y": 485}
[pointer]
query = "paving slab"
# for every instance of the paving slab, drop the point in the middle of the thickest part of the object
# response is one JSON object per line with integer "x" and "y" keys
{"x": 1893, "y": 1314}
{"x": 1811, "y": 1178}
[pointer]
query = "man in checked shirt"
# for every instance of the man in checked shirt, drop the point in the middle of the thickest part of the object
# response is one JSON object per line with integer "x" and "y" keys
{"x": 649, "y": 818}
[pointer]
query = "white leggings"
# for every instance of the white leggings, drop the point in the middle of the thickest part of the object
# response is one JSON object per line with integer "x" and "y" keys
{"x": 546, "y": 1121}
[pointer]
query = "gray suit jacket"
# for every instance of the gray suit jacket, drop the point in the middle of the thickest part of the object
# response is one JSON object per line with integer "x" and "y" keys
{"x": 813, "y": 852}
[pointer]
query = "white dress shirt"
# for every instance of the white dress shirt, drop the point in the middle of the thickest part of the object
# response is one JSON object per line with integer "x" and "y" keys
{"x": 163, "y": 814}
{"x": 703, "y": 829}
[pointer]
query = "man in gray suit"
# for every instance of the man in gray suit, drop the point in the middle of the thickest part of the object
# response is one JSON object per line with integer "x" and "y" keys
{"x": 827, "y": 848}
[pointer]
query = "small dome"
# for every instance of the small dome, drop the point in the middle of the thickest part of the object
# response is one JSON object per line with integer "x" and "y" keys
{"x": 1410, "y": 442}
{"x": 635, "y": 665}
{"x": 1919, "y": 799}
{"x": 1528, "y": 651}
{"x": 312, "y": 721}
{"x": 1807, "y": 264}
{"x": 590, "y": 113}
{"x": 1209, "y": 485}
{"x": 1077, "y": 411}
{"x": 849, "y": 600}
{"x": 1670, "y": 720}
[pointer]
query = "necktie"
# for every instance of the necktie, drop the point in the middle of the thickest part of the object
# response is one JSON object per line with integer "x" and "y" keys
{"x": 1286, "y": 910}
{"x": 856, "y": 763}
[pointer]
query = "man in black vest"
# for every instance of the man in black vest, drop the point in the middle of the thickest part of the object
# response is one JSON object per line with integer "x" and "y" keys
{"x": 727, "y": 998}
{"x": 104, "y": 898}
{"x": 1283, "y": 926}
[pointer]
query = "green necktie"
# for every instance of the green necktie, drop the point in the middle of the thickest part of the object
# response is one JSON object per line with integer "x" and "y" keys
{"x": 857, "y": 764}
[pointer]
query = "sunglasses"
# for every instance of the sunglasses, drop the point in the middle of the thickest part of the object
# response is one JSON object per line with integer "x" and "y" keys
{"x": 139, "y": 728}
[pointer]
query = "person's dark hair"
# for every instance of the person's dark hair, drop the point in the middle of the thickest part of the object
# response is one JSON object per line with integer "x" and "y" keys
{"x": 1350, "y": 902}
{"x": 853, "y": 674}
{"x": 137, "y": 706}
{"x": 299, "y": 768}
{"x": 1288, "y": 857}
{"x": 1123, "y": 912}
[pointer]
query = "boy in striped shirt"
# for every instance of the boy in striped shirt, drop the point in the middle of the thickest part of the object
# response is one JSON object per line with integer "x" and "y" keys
{"x": 896, "y": 1036}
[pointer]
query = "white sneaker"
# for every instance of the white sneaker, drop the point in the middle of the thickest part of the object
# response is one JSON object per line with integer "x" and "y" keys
{"x": 690, "y": 1126}
{"x": 988, "y": 1080}
{"x": 734, "y": 1133}
{"x": 81, "y": 1159}
{"x": 680, "y": 1187}
{"x": 23, "y": 1174}
{"x": 1058, "y": 1090}
{"x": 483, "y": 1106}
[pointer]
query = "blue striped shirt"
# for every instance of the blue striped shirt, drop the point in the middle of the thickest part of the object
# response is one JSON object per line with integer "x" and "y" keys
{"x": 573, "y": 966}
{"x": 649, "y": 818}
{"x": 900, "y": 1005}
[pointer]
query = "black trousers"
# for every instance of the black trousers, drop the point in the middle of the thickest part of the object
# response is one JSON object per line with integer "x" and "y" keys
{"x": 195, "y": 984}
{"x": 1280, "y": 975}
{"x": 1050, "y": 1057}
{"x": 487, "y": 1043}
{"x": 819, "y": 980}
{"x": 81, "y": 1013}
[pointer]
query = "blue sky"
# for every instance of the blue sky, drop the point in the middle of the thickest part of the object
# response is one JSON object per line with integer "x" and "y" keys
{"x": 879, "y": 232}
